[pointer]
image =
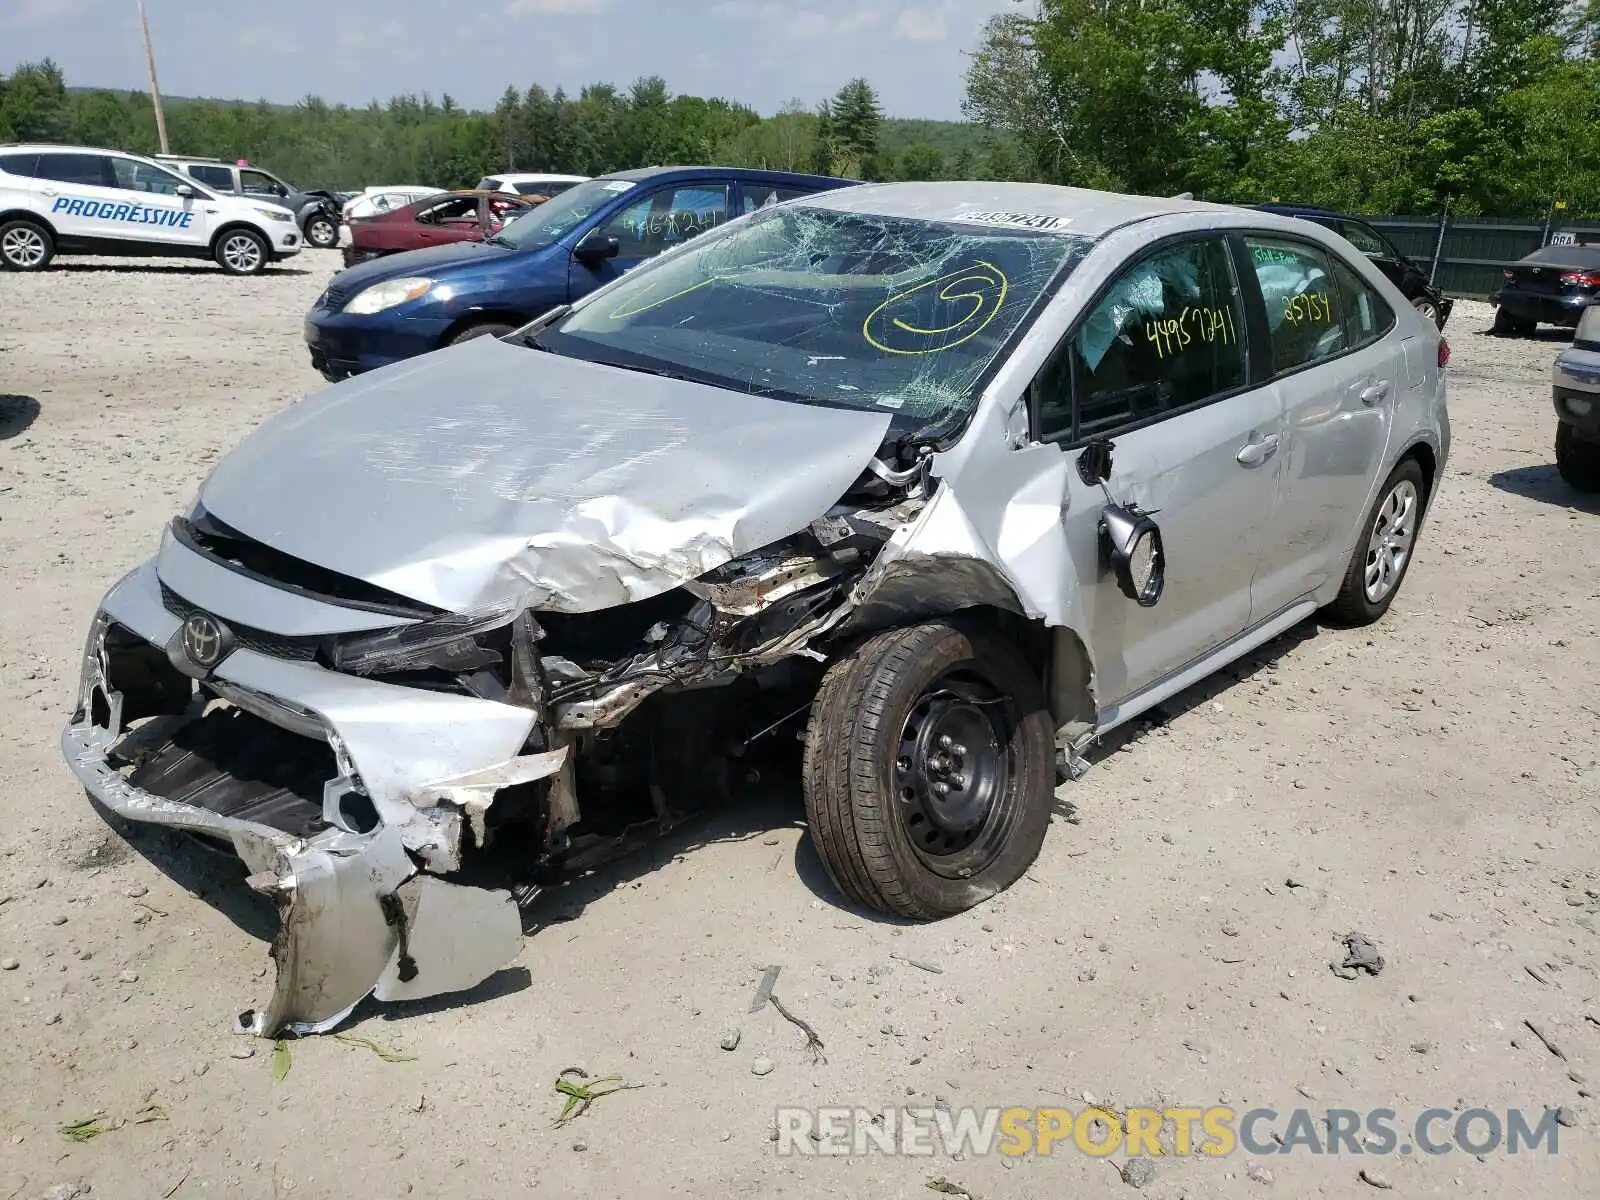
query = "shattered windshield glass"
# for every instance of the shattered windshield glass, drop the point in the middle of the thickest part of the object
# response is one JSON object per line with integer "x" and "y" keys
{"x": 849, "y": 310}
{"x": 557, "y": 217}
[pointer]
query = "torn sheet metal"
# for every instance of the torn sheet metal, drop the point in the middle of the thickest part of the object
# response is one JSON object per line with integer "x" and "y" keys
{"x": 550, "y": 481}
{"x": 994, "y": 532}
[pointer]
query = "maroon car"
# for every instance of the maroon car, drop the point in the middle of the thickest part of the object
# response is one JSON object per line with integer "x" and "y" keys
{"x": 434, "y": 221}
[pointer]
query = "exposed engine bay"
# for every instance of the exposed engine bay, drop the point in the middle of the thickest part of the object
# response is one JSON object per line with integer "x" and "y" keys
{"x": 637, "y": 717}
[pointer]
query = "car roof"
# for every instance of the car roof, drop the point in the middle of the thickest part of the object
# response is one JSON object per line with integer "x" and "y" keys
{"x": 1309, "y": 210}
{"x": 525, "y": 176}
{"x": 747, "y": 174}
{"x": 1076, "y": 210}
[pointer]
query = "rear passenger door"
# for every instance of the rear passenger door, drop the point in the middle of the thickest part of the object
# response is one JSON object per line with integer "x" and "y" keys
{"x": 654, "y": 223}
{"x": 1160, "y": 366}
{"x": 1338, "y": 375}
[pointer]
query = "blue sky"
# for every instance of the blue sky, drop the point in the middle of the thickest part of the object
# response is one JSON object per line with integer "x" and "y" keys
{"x": 761, "y": 52}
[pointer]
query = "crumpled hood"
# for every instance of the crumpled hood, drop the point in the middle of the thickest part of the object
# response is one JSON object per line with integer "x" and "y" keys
{"x": 490, "y": 472}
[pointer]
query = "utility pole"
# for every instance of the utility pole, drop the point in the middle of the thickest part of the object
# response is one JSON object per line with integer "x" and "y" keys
{"x": 155, "y": 88}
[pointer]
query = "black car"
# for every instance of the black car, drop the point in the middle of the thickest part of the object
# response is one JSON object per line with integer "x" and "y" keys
{"x": 1554, "y": 285}
{"x": 1406, "y": 275}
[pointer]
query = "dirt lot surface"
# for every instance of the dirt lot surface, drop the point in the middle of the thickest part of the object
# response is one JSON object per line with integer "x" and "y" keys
{"x": 1430, "y": 782}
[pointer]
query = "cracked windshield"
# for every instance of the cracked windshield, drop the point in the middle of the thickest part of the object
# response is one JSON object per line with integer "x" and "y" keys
{"x": 843, "y": 309}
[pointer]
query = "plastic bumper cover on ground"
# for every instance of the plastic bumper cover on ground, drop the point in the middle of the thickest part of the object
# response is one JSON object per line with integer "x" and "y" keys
{"x": 359, "y": 914}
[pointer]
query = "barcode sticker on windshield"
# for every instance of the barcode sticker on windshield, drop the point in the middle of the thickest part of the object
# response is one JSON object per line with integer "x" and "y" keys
{"x": 1044, "y": 221}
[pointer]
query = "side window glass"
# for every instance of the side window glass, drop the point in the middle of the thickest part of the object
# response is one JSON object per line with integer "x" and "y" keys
{"x": 761, "y": 196}
{"x": 1363, "y": 239}
{"x": 1302, "y": 307}
{"x": 142, "y": 177}
{"x": 86, "y": 170}
{"x": 259, "y": 183}
{"x": 18, "y": 164}
{"x": 1366, "y": 316}
{"x": 220, "y": 178}
{"x": 457, "y": 208}
{"x": 1169, "y": 333}
{"x": 668, "y": 218}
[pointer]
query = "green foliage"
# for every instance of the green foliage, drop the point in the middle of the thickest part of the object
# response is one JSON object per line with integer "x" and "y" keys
{"x": 1376, "y": 105}
{"x": 1364, "y": 105}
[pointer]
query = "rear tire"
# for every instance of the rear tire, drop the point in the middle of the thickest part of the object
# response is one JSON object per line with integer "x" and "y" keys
{"x": 1505, "y": 325}
{"x": 242, "y": 252}
{"x": 26, "y": 245}
{"x": 1384, "y": 551}
{"x": 911, "y": 710}
{"x": 487, "y": 329}
{"x": 1577, "y": 460}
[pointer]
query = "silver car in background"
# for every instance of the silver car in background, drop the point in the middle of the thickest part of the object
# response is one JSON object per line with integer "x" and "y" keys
{"x": 947, "y": 480}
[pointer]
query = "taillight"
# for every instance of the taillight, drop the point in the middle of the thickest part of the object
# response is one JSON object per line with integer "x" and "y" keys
{"x": 1444, "y": 354}
{"x": 1581, "y": 278}
{"x": 1509, "y": 273}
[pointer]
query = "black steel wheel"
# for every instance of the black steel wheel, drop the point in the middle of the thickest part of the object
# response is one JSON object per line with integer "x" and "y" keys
{"x": 929, "y": 769}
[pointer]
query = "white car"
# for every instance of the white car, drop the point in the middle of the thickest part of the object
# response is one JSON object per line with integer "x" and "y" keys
{"x": 537, "y": 184}
{"x": 1577, "y": 396}
{"x": 82, "y": 200}
{"x": 375, "y": 200}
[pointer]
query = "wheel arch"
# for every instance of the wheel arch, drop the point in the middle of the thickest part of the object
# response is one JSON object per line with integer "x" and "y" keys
{"x": 1426, "y": 456}
{"x": 27, "y": 214}
{"x": 974, "y": 591}
{"x": 481, "y": 316}
{"x": 233, "y": 226}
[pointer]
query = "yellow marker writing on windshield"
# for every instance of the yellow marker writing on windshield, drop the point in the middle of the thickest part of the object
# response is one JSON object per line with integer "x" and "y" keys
{"x": 979, "y": 289}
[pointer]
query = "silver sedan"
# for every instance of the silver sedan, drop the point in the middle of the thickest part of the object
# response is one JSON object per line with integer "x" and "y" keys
{"x": 924, "y": 487}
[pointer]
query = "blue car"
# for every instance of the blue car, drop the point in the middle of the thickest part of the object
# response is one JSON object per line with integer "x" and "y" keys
{"x": 402, "y": 305}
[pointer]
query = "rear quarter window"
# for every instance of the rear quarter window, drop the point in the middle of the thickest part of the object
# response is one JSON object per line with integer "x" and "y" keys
{"x": 18, "y": 164}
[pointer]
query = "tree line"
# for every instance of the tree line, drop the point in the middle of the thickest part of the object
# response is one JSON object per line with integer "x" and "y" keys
{"x": 1403, "y": 106}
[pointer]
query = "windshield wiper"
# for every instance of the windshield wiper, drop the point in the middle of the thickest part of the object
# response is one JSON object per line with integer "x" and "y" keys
{"x": 500, "y": 239}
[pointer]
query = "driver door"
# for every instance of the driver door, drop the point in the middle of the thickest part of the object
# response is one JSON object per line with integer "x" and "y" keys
{"x": 1159, "y": 367}
{"x": 650, "y": 225}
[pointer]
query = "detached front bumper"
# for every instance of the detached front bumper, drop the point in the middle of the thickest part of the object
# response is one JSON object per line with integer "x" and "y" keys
{"x": 363, "y": 891}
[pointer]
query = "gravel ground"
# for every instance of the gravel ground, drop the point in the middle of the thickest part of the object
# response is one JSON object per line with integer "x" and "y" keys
{"x": 1430, "y": 782}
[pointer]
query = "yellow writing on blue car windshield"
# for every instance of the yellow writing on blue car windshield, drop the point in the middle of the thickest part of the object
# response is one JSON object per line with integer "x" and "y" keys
{"x": 940, "y": 313}
{"x": 1173, "y": 335}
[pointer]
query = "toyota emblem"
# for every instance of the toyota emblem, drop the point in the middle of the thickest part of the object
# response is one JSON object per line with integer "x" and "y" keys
{"x": 205, "y": 640}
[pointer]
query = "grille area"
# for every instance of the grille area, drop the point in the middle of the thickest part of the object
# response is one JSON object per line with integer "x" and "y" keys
{"x": 298, "y": 649}
{"x": 232, "y": 763}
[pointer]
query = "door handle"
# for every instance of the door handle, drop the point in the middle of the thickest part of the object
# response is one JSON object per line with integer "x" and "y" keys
{"x": 47, "y": 191}
{"x": 1256, "y": 451}
{"x": 1374, "y": 392}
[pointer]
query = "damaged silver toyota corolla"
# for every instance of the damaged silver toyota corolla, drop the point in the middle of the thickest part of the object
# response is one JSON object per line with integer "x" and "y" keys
{"x": 946, "y": 479}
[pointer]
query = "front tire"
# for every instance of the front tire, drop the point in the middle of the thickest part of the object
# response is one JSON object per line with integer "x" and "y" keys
{"x": 1577, "y": 460}
{"x": 929, "y": 769}
{"x": 242, "y": 252}
{"x": 26, "y": 246}
{"x": 1383, "y": 553}
{"x": 321, "y": 232}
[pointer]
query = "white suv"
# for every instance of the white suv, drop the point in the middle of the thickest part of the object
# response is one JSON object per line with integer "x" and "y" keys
{"x": 80, "y": 200}
{"x": 542, "y": 184}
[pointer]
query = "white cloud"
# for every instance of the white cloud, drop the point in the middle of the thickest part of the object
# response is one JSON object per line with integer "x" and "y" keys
{"x": 921, "y": 25}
